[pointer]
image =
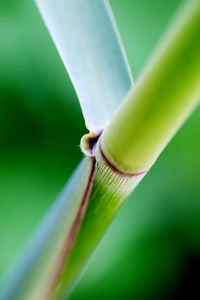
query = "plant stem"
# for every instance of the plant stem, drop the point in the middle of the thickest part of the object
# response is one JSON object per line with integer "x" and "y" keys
{"x": 110, "y": 190}
{"x": 161, "y": 100}
{"x": 164, "y": 96}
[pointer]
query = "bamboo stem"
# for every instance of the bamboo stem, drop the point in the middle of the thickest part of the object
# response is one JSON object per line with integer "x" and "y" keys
{"x": 161, "y": 100}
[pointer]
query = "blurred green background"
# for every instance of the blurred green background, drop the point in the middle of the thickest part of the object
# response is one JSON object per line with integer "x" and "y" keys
{"x": 152, "y": 249}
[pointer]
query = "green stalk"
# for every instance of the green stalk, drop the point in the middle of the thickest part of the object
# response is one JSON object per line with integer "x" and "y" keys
{"x": 164, "y": 96}
{"x": 110, "y": 189}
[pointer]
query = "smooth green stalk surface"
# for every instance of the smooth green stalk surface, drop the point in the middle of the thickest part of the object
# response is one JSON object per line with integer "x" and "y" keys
{"x": 164, "y": 96}
{"x": 109, "y": 191}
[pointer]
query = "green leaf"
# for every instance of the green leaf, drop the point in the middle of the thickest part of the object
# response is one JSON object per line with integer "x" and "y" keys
{"x": 86, "y": 36}
{"x": 39, "y": 262}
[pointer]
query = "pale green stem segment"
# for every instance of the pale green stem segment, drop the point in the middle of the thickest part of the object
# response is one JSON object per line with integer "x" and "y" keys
{"x": 162, "y": 99}
{"x": 110, "y": 189}
{"x": 165, "y": 95}
{"x": 38, "y": 266}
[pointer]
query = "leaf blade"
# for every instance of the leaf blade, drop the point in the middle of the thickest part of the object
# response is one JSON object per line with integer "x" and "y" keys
{"x": 87, "y": 40}
{"x": 30, "y": 275}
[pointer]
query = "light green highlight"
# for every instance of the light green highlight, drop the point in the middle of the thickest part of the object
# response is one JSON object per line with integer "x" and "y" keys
{"x": 164, "y": 96}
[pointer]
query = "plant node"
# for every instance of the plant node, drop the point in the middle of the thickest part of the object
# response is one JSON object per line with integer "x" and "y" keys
{"x": 88, "y": 142}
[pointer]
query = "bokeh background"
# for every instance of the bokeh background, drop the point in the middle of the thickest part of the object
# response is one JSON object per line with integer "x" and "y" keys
{"x": 152, "y": 249}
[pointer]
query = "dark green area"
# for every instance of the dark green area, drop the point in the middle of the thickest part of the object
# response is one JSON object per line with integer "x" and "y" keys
{"x": 145, "y": 252}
